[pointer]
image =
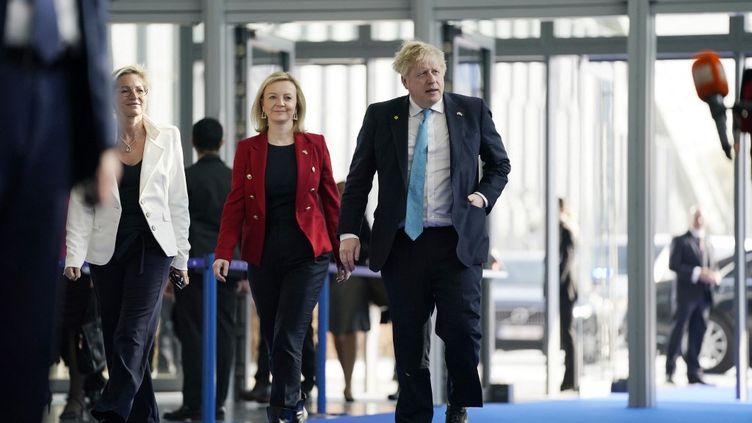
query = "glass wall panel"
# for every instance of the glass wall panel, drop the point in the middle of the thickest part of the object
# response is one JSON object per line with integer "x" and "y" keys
{"x": 606, "y": 26}
{"x": 691, "y": 24}
{"x": 502, "y": 28}
{"x": 392, "y": 30}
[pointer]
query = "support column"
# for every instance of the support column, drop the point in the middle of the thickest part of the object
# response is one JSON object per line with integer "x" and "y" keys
{"x": 215, "y": 43}
{"x": 424, "y": 18}
{"x": 640, "y": 170}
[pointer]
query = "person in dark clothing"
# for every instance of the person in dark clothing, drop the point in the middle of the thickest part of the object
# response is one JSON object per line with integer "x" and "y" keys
{"x": 284, "y": 207}
{"x": 208, "y": 183}
{"x": 693, "y": 261}
{"x": 567, "y": 295}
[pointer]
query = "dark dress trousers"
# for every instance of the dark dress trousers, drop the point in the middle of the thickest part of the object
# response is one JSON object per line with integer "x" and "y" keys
{"x": 56, "y": 120}
{"x": 442, "y": 267}
{"x": 693, "y": 301}
{"x": 208, "y": 183}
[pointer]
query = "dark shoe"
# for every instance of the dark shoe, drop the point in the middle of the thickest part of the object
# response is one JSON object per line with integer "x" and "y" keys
{"x": 567, "y": 387}
{"x": 73, "y": 410}
{"x": 220, "y": 413}
{"x": 697, "y": 380}
{"x": 259, "y": 393}
{"x": 394, "y": 396}
{"x": 349, "y": 396}
{"x": 183, "y": 414}
{"x": 456, "y": 414}
{"x": 669, "y": 378}
{"x": 287, "y": 415}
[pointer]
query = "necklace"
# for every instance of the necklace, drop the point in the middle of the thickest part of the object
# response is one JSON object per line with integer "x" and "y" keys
{"x": 127, "y": 144}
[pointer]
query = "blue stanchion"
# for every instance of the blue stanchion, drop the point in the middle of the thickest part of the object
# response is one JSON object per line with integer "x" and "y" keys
{"x": 321, "y": 348}
{"x": 209, "y": 388}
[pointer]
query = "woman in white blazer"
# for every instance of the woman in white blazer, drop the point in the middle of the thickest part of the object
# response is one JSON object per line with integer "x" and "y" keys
{"x": 131, "y": 242}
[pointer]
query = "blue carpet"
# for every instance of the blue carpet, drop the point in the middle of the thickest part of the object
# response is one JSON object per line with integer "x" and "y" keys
{"x": 685, "y": 405}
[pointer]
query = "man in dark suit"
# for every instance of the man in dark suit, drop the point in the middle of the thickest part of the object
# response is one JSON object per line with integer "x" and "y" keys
{"x": 567, "y": 295}
{"x": 692, "y": 260}
{"x": 208, "y": 182}
{"x": 429, "y": 236}
{"x": 56, "y": 124}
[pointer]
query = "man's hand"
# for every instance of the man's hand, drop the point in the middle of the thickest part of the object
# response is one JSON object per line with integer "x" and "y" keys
{"x": 476, "y": 200}
{"x": 221, "y": 267}
{"x": 342, "y": 274}
{"x": 349, "y": 253}
{"x": 109, "y": 166}
{"x": 709, "y": 276}
{"x": 72, "y": 273}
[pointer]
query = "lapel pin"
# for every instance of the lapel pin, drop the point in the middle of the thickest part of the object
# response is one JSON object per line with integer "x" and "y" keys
{"x": 396, "y": 117}
{"x": 459, "y": 114}
{"x": 304, "y": 151}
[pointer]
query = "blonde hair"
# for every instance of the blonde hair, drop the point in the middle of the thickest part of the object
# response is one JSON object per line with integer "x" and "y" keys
{"x": 137, "y": 70}
{"x": 300, "y": 106}
{"x": 413, "y": 52}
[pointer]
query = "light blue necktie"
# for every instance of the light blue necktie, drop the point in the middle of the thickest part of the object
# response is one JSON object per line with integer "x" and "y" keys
{"x": 415, "y": 189}
{"x": 45, "y": 37}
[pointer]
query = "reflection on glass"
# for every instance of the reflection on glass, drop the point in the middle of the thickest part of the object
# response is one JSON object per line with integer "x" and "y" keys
{"x": 468, "y": 78}
{"x": 606, "y": 26}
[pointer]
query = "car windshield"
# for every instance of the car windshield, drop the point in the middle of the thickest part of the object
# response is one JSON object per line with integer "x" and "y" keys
{"x": 524, "y": 271}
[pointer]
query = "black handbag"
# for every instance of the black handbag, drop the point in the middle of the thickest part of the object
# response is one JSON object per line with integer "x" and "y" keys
{"x": 90, "y": 353}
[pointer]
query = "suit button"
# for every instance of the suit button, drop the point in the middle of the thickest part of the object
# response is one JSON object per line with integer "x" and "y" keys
{"x": 117, "y": 207}
{"x": 153, "y": 228}
{"x": 148, "y": 214}
{"x": 252, "y": 197}
{"x": 249, "y": 176}
{"x": 142, "y": 202}
{"x": 313, "y": 169}
{"x": 312, "y": 189}
{"x": 308, "y": 208}
{"x": 255, "y": 217}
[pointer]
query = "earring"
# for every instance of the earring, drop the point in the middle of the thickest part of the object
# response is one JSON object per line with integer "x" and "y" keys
{"x": 295, "y": 115}
{"x": 263, "y": 115}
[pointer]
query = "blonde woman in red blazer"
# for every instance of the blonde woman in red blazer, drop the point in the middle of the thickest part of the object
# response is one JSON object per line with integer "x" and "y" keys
{"x": 283, "y": 207}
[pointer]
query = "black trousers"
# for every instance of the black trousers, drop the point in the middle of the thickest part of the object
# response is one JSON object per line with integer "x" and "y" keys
{"x": 419, "y": 275}
{"x": 34, "y": 185}
{"x": 129, "y": 290}
{"x": 307, "y": 366}
{"x": 286, "y": 288}
{"x": 566, "y": 332}
{"x": 188, "y": 316}
{"x": 692, "y": 315}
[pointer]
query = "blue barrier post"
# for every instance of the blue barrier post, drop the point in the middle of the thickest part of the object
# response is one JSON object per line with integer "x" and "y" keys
{"x": 321, "y": 348}
{"x": 209, "y": 388}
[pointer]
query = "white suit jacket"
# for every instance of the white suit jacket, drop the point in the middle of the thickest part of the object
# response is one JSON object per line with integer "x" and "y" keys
{"x": 91, "y": 231}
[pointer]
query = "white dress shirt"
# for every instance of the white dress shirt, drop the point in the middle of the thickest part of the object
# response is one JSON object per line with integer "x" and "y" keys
{"x": 18, "y": 22}
{"x": 437, "y": 200}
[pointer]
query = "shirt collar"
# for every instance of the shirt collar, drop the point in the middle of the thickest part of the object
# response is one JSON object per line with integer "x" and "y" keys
{"x": 415, "y": 109}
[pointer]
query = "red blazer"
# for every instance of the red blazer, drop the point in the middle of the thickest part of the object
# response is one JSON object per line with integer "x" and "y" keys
{"x": 316, "y": 199}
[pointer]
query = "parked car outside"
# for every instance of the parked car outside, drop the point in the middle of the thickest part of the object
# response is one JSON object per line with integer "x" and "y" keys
{"x": 520, "y": 307}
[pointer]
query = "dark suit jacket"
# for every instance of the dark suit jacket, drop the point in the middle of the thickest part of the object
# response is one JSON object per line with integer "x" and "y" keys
{"x": 382, "y": 149}
{"x": 208, "y": 182}
{"x": 90, "y": 105}
{"x": 685, "y": 256}
{"x": 567, "y": 285}
{"x": 316, "y": 198}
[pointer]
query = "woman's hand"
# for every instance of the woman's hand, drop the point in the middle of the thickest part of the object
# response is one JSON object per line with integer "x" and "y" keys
{"x": 221, "y": 267}
{"x": 72, "y": 273}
